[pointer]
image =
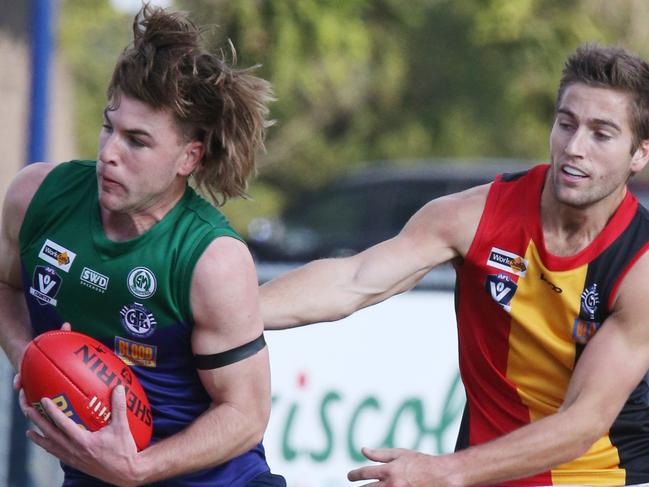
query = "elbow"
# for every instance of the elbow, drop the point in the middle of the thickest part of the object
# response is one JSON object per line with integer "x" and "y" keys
{"x": 256, "y": 430}
{"x": 259, "y": 422}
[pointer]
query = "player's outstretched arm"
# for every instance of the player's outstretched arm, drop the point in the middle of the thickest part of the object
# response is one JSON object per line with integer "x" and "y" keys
{"x": 612, "y": 365}
{"x": 330, "y": 289}
{"x": 15, "y": 331}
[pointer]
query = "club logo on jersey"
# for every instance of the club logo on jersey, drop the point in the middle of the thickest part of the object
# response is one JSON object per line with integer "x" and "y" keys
{"x": 45, "y": 285}
{"x": 135, "y": 353}
{"x": 502, "y": 289}
{"x": 507, "y": 261}
{"x": 94, "y": 280}
{"x": 141, "y": 282}
{"x": 58, "y": 256}
{"x": 137, "y": 320}
{"x": 586, "y": 324}
{"x": 590, "y": 301}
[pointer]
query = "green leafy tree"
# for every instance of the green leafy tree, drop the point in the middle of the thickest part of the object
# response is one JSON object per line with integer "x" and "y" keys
{"x": 91, "y": 36}
{"x": 370, "y": 80}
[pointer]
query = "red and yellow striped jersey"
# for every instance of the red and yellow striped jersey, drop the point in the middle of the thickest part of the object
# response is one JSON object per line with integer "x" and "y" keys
{"x": 525, "y": 315}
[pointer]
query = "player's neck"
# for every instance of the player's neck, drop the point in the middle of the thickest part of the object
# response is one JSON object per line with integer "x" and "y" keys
{"x": 121, "y": 225}
{"x": 568, "y": 230}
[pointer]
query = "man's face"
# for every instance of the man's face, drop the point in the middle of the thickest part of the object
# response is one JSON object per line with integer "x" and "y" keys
{"x": 590, "y": 146}
{"x": 143, "y": 159}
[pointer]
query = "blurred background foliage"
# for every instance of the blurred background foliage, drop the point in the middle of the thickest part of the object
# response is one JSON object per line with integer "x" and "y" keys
{"x": 360, "y": 81}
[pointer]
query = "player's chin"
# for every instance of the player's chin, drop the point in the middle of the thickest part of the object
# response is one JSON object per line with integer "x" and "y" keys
{"x": 111, "y": 201}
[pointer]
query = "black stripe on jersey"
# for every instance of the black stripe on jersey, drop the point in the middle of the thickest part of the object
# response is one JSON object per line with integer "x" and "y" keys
{"x": 462, "y": 442}
{"x": 630, "y": 431}
{"x": 512, "y": 176}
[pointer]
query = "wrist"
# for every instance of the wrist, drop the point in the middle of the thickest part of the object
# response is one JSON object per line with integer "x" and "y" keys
{"x": 140, "y": 469}
{"x": 457, "y": 472}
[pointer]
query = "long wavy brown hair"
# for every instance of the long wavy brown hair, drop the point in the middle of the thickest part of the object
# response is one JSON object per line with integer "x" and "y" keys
{"x": 168, "y": 66}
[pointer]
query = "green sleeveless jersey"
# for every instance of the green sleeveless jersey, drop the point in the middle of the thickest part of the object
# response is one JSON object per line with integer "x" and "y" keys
{"x": 133, "y": 295}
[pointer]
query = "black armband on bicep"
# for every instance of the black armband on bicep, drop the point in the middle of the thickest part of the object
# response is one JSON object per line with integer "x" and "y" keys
{"x": 217, "y": 360}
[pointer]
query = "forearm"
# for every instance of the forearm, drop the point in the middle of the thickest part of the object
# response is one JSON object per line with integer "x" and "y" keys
{"x": 537, "y": 447}
{"x": 313, "y": 293}
{"x": 220, "y": 434}
{"x": 15, "y": 331}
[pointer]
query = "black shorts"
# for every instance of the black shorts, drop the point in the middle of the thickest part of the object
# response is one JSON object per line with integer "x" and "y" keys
{"x": 267, "y": 479}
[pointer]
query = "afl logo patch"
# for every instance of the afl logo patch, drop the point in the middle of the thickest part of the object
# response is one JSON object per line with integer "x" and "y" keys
{"x": 141, "y": 282}
{"x": 502, "y": 289}
{"x": 137, "y": 320}
{"x": 507, "y": 261}
{"x": 45, "y": 285}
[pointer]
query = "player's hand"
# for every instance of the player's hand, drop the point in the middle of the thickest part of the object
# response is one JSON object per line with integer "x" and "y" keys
{"x": 109, "y": 454}
{"x": 402, "y": 468}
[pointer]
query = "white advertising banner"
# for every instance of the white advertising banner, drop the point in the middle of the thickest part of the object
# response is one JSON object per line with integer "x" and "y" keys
{"x": 386, "y": 376}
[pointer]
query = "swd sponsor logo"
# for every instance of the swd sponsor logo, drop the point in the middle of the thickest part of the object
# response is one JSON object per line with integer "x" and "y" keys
{"x": 94, "y": 280}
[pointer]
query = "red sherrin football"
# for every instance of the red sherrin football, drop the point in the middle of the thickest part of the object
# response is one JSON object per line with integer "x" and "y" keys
{"x": 79, "y": 374}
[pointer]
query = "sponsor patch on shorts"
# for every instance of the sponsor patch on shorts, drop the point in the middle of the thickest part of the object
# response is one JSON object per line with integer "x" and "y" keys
{"x": 135, "y": 353}
{"x": 507, "y": 261}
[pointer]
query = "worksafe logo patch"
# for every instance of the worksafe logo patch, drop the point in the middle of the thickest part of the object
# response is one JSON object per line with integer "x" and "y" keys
{"x": 502, "y": 289}
{"x": 57, "y": 255}
{"x": 507, "y": 261}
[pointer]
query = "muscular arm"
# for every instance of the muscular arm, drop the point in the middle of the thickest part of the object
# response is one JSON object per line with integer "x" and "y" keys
{"x": 226, "y": 313}
{"x": 614, "y": 362}
{"x": 330, "y": 289}
{"x": 15, "y": 331}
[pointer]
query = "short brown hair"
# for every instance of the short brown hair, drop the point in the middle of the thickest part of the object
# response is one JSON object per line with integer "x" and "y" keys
{"x": 168, "y": 67}
{"x": 609, "y": 67}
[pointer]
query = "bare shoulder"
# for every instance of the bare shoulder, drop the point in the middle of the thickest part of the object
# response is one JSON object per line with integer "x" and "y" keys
{"x": 631, "y": 294}
{"x": 224, "y": 257}
{"x": 225, "y": 297}
{"x": 21, "y": 191}
{"x": 452, "y": 219}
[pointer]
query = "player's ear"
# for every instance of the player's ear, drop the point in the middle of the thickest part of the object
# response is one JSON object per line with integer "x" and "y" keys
{"x": 192, "y": 157}
{"x": 640, "y": 156}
